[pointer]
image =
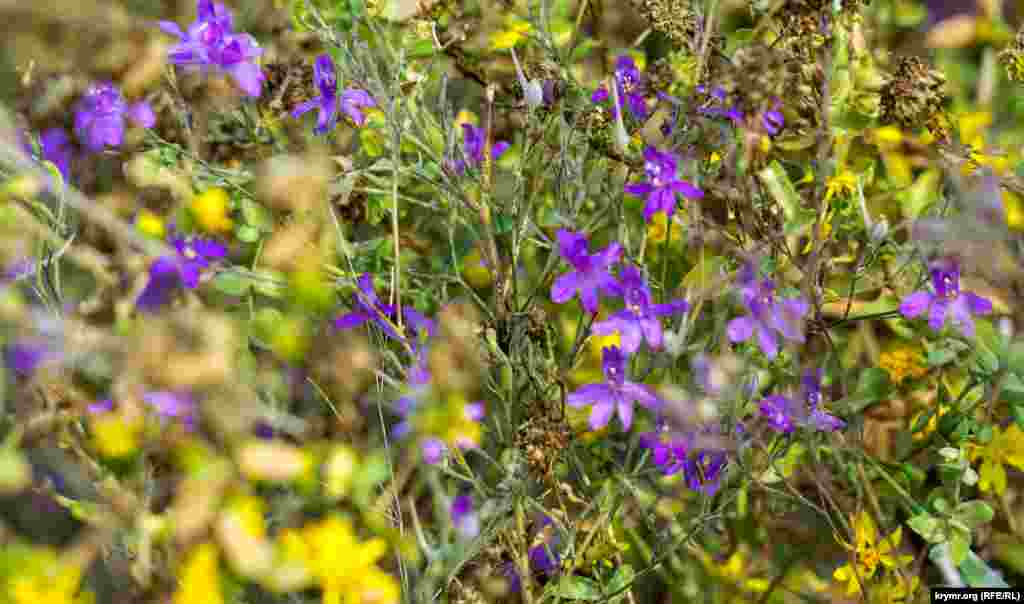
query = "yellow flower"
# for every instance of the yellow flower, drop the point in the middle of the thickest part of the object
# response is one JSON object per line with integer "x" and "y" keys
{"x": 200, "y": 577}
{"x": 150, "y": 224}
{"x": 114, "y": 435}
{"x": 515, "y": 31}
{"x": 869, "y": 552}
{"x": 842, "y": 183}
{"x": 1005, "y": 448}
{"x": 210, "y": 210}
{"x": 657, "y": 230}
{"x": 902, "y": 361}
{"x": 345, "y": 567}
{"x": 44, "y": 580}
{"x": 736, "y": 571}
{"x": 933, "y": 422}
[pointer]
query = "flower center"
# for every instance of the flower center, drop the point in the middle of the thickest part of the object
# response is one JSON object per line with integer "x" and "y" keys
{"x": 868, "y": 558}
{"x": 655, "y": 172}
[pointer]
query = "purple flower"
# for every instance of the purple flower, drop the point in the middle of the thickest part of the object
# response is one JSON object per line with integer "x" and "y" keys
{"x": 433, "y": 450}
{"x": 212, "y": 42}
{"x": 464, "y": 519}
{"x": 99, "y": 407}
{"x": 641, "y": 319}
{"x": 55, "y": 147}
{"x": 100, "y": 115}
{"x": 473, "y": 140}
{"x": 544, "y": 554}
{"x": 778, "y": 410}
{"x": 630, "y": 87}
{"x": 715, "y": 105}
{"x": 328, "y": 102}
{"x": 767, "y": 315}
{"x": 947, "y": 300}
{"x": 590, "y": 272}
{"x": 168, "y": 273}
{"x": 785, "y": 413}
{"x": 772, "y": 121}
{"x": 616, "y": 394}
{"x": 25, "y": 355}
{"x": 661, "y": 185}
{"x": 689, "y": 451}
{"x": 370, "y": 308}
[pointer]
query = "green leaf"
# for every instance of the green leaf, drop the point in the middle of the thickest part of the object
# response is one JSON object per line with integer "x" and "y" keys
{"x": 231, "y": 283}
{"x": 873, "y": 386}
{"x": 974, "y": 513}
{"x": 576, "y": 587}
{"x": 781, "y": 188}
{"x": 257, "y": 216}
{"x": 929, "y": 527}
{"x": 247, "y": 234}
{"x": 421, "y": 49}
{"x": 621, "y": 580}
{"x": 959, "y": 545}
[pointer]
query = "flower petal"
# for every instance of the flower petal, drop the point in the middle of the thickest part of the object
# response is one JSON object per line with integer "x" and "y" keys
{"x": 915, "y": 304}
{"x": 564, "y": 288}
{"x": 740, "y": 329}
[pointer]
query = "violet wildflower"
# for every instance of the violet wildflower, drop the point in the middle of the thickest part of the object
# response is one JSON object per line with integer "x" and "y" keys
{"x": 662, "y": 184}
{"x": 100, "y": 115}
{"x": 615, "y": 395}
{"x": 55, "y": 147}
{"x": 103, "y": 406}
{"x": 590, "y": 271}
{"x": 784, "y": 414}
{"x": 641, "y": 319}
{"x": 630, "y": 87}
{"x": 767, "y": 315}
{"x": 212, "y": 42}
{"x": 328, "y": 102}
{"x": 434, "y": 450}
{"x": 167, "y": 274}
{"x": 473, "y": 140}
{"x": 25, "y": 355}
{"x": 773, "y": 121}
{"x": 692, "y": 451}
{"x": 370, "y": 308}
{"x": 464, "y": 518}
{"x": 947, "y": 301}
{"x": 544, "y": 554}
{"x": 715, "y": 106}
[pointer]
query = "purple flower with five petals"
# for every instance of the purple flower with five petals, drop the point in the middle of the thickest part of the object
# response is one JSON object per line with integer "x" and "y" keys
{"x": 212, "y": 42}
{"x": 615, "y": 395}
{"x": 630, "y": 86}
{"x": 328, "y": 102}
{"x": 641, "y": 319}
{"x": 167, "y": 273}
{"x": 662, "y": 185}
{"x": 370, "y": 308}
{"x": 767, "y": 315}
{"x": 784, "y": 413}
{"x": 590, "y": 271}
{"x": 947, "y": 301}
{"x": 690, "y": 452}
{"x": 473, "y": 141}
{"x": 100, "y": 115}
